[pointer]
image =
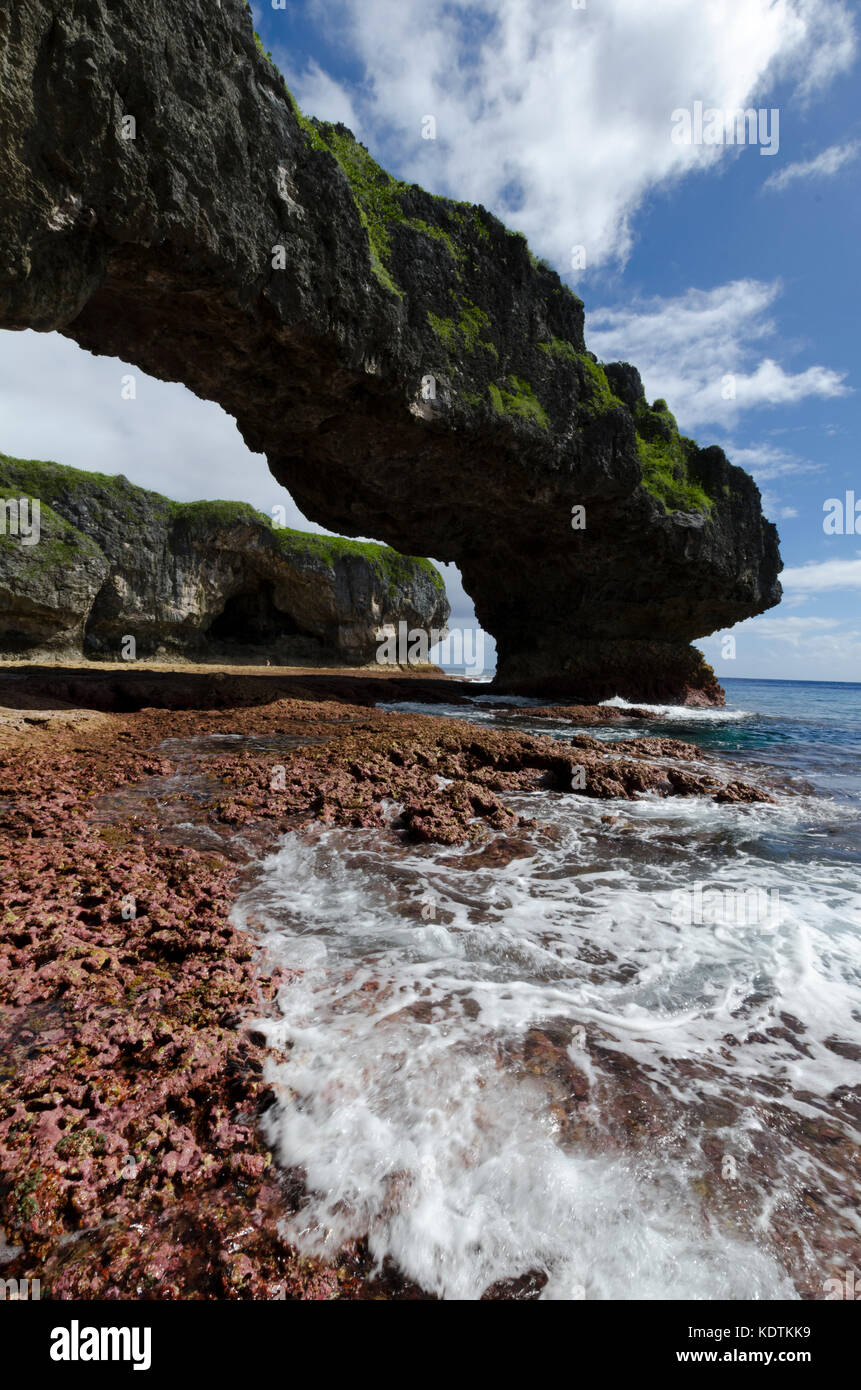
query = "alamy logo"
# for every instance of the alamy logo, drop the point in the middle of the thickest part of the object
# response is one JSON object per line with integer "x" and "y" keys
{"x": 412, "y": 647}
{"x": 19, "y": 1290}
{"x": 847, "y": 1288}
{"x": 19, "y": 516}
{"x": 704, "y": 906}
{"x": 843, "y": 517}
{"x": 713, "y": 126}
{"x": 76, "y": 1343}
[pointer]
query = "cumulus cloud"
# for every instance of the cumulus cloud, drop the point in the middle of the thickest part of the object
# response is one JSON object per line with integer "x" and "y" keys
{"x": 824, "y": 165}
{"x": 699, "y": 352}
{"x": 774, "y": 508}
{"x": 550, "y": 115}
{"x": 824, "y": 574}
{"x": 768, "y": 461}
{"x": 327, "y": 99}
{"x": 789, "y": 646}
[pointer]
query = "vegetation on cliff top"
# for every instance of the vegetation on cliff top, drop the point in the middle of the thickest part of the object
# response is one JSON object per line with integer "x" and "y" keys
{"x": 396, "y": 570}
{"x": 60, "y": 544}
{"x": 112, "y": 501}
{"x": 107, "y": 498}
{"x": 664, "y": 456}
{"x": 663, "y": 452}
{"x": 380, "y": 199}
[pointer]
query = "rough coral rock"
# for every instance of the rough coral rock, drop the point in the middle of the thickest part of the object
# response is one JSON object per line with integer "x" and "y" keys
{"x": 409, "y": 369}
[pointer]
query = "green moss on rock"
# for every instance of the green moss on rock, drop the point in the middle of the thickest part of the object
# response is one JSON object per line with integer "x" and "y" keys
{"x": 380, "y": 199}
{"x": 664, "y": 458}
{"x": 203, "y": 516}
{"x": 396, "y": 571}
{"x": 113, "y": 500}
{"x": 663, "y": 452}
{"x": 376, "y": 192}
{"x": 60, "y": 545}
{"x": 601, "y": 397}
{"x": 457, "y": 253}
{"x": 265, "y": 51}
{"x": 464, "y": 333}
{"x": 110, "y": 498}
{"x": 521, "y": 401}
{"x": 557, "y": 347}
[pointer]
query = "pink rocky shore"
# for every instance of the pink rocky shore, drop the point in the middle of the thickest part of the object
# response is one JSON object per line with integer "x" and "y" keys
{"x": 131, "y": 1163}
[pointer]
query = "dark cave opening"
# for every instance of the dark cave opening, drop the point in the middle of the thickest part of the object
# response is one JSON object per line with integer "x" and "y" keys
{"x": 18, "y": 642}
{"x": 251, "y": 619}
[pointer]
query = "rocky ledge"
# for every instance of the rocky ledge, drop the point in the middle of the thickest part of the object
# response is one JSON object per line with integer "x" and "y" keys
{"x": 132, "y": 1162}
{"x": 411, "y": 371}
{"x": 206, "y": 580}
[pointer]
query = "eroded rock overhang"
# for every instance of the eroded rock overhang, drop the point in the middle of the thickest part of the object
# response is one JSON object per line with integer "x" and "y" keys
{"x": 409, "y": 369}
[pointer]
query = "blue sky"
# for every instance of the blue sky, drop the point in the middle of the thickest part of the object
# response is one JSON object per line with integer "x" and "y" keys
{"x": 704, "y": 264}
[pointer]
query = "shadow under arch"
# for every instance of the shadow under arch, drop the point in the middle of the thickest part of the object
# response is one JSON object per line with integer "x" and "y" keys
{"x": 272, "y": 266}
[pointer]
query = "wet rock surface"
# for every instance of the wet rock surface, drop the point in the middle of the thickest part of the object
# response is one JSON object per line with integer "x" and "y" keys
{"x": 131, "y": 1163}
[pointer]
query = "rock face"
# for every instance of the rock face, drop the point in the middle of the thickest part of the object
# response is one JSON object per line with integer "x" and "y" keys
{"x": 46, "y": 589}
{"x": 407, "y": 367}
{"x": 200, "y": 579}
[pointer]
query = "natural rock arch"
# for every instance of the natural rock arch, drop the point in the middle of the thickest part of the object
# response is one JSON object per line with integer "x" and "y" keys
{"x": 409, "y": 370}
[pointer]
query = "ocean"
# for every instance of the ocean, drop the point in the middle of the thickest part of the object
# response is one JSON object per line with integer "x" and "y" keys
{"x": 618, "y": 1060}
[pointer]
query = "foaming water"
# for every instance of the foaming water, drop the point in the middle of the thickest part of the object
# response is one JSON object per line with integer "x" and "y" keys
{"x": 684, "y": 714}
{"x": 561, "y": 1061}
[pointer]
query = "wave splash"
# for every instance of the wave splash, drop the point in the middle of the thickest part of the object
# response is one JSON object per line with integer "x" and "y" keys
{"x": 426, "y": 987}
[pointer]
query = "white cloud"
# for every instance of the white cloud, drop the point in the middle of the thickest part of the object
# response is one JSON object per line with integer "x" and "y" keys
{"x": 824, "y": 45}
{"x": 559, "y": 119}
{"x": 788, "y": 629}
{"x": 320, "y": 94}
{"x": 698, "y": 351}
{"x": 821, "y": 575}
{"x": 829, "y": 162}
{"x": 63, "y": 404}
{"x": 766, "y": 461}
{"x": 772, "y": 506}
{"x": 789, "y": 647}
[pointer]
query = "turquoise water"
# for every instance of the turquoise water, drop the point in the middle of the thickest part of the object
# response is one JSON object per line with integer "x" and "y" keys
{"x": 810, "y": 729}
{"x": 807, "y": 732}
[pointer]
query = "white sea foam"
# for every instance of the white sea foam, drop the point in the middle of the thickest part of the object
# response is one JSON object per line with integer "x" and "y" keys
{"x": 400, "y": 1099}
{"x": 688, "y": 714}
{"x": 486, "y": 710}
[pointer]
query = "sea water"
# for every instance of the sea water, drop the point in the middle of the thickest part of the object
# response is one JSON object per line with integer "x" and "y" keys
{"x": 496, "y": 1066}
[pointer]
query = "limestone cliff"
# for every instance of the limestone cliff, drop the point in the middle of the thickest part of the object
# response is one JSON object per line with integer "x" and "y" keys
{"x": 410, "y": 370}
{"x": 200, "y": 579}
